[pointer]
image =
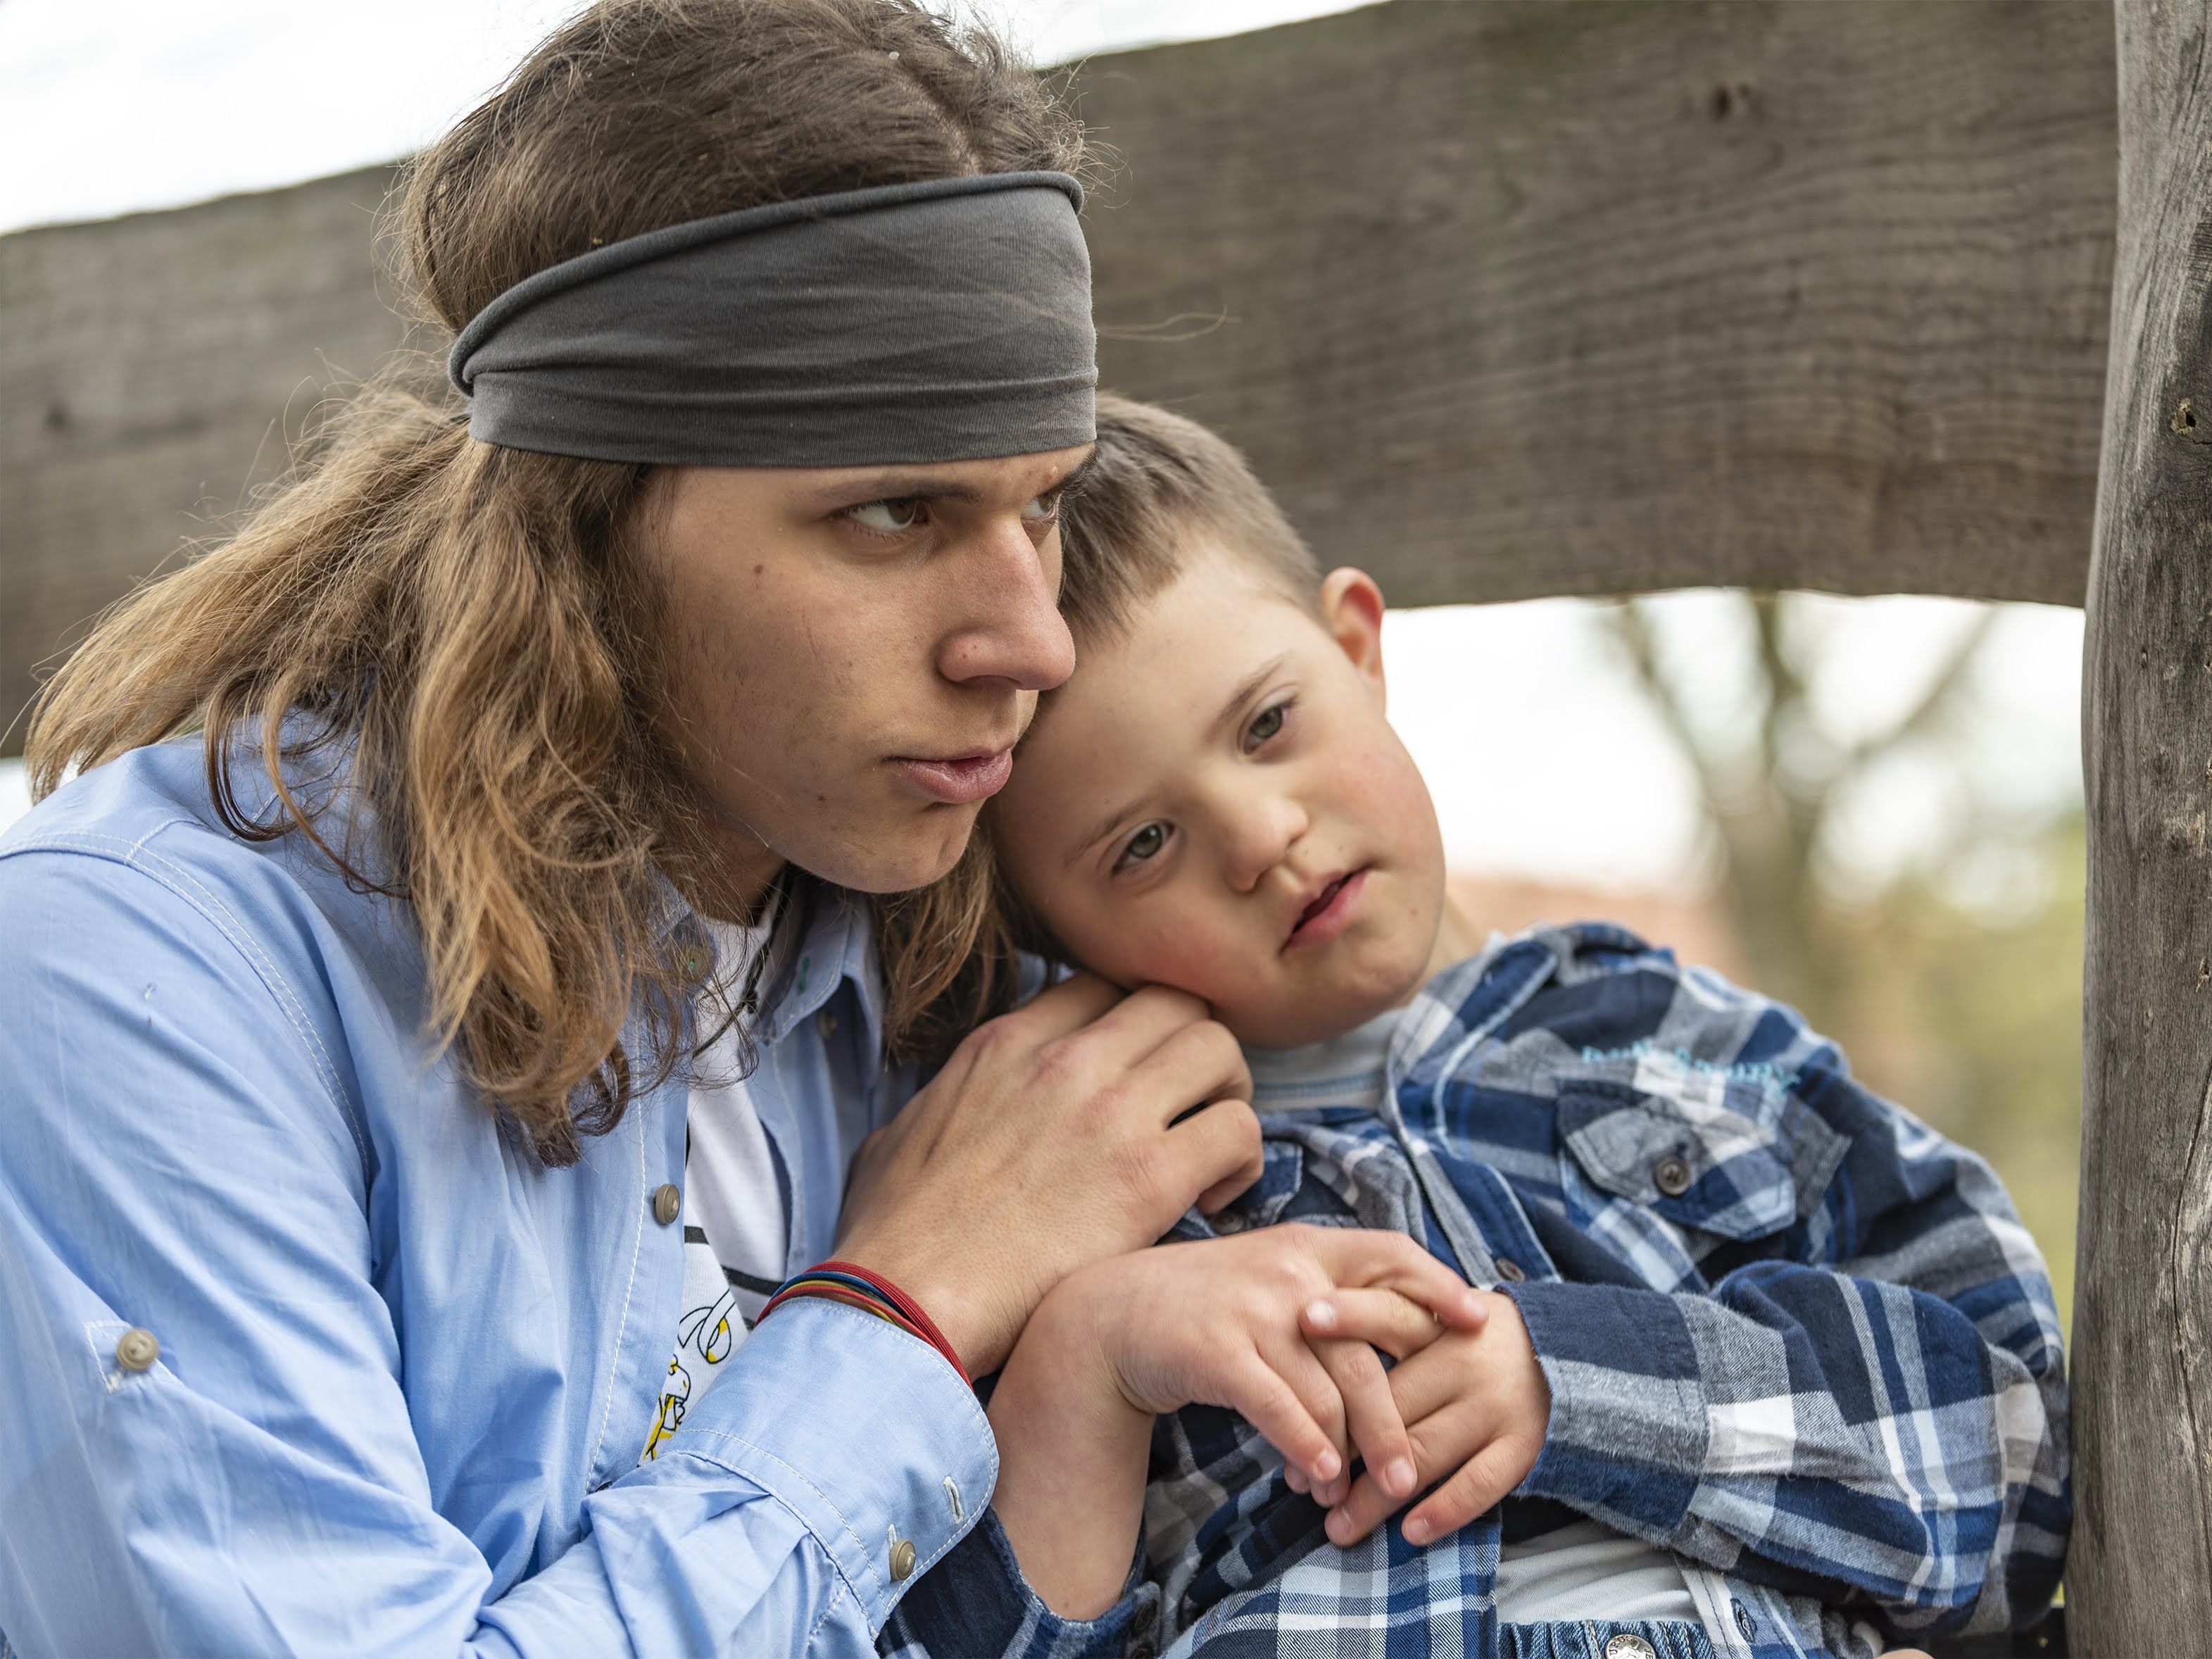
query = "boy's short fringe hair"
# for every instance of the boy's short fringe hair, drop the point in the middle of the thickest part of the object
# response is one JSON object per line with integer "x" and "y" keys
{"x": 1159, "y": 485}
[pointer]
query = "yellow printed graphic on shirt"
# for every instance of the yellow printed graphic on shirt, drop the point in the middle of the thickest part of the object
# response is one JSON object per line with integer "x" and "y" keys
{"x": 703, "y": 1337}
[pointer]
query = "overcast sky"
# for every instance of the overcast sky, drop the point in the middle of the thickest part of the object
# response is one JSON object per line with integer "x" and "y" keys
{"x": 1543, "y": 760}
{"x": 134, "y": 104}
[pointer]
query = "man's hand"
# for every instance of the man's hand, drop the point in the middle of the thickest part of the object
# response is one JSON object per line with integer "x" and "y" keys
{"x": 1476, "y": 1408}
{"x": 1061, "y": 1134}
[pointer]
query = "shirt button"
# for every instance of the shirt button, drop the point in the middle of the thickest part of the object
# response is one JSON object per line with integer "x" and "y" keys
{"x": 1509, "y": 1270}
{"x": 138, "y": 1349}
{"x": 1744, "y": 1621}
{"x": 667, "y": 1203}
{"x": 1671, "y": 1176}
{"x": 826, "y": 1022}
{"x": 1629, "y": 1645}
{"x": 901, "y": 1559}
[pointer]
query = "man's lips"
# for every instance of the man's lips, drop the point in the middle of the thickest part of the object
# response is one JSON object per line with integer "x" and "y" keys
{"x": 1329, "y": 912}
{"x": 958, "y": 780}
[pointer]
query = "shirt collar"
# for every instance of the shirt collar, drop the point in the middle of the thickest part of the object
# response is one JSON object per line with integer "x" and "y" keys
{"x": 831, "y": 943}
{"x": 1466, "y": 1002}
{"x": 824, "y": 942}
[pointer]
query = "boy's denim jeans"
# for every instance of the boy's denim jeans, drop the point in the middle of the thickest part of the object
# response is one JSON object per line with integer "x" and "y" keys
{"x": 1601, "y": 1638}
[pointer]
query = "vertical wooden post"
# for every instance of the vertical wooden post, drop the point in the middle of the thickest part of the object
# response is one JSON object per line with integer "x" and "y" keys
{"x": 2140, "y": 1573}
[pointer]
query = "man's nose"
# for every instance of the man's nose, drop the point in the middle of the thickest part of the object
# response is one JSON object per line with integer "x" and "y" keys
{"x": 1261, "y": 830}
{"x": 1008, "y": 624}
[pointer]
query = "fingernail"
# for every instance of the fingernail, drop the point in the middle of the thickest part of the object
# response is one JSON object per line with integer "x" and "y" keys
{"x": 1326, "y": 1466}
{"x": 1338, "y": 1526}
{"x": 1321, "y": 1315}
{"x": 1399, "y": 1477}
{"x": 1416, "y": 1530}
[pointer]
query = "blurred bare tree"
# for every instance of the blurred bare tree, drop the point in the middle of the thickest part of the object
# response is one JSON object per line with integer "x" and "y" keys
{"x": 1967, "y": 1013}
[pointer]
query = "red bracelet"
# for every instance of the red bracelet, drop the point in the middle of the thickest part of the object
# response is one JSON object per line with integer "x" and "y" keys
{"x": 858, "y": 1286}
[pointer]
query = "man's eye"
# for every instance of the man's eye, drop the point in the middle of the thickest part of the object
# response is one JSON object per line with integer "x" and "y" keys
{"x": 1144, "y": 844}
{"x": 1265, "y": 724}
{"x": 1044, "y": 509}
{"x": 891, "y": 517}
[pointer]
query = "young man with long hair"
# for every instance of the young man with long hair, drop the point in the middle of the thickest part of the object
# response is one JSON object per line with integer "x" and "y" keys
{"x": 459, "y": 954}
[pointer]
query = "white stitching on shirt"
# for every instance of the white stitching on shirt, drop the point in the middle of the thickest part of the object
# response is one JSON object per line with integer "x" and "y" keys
{"x": 844, "y": 1525}
{"x": 100, "y": 1335}
{"x": 838, "y": 1587}
{"x": 638, "y": 1112}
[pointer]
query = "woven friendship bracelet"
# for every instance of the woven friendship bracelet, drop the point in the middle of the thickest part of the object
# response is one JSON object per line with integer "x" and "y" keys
{"x": 871, "y": 1292}
{"x": 828, "y": 1292}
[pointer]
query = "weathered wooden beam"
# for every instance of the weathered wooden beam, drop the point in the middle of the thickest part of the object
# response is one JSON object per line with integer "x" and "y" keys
{"x": 151, "y": 369}
{"x": 2139, "y": 1577}
{"x": 1521, "y": 299}
{"x": 1507, "y": 299}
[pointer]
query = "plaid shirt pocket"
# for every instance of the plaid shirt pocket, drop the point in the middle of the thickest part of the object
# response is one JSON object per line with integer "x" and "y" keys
{"x": 1735, "y": 1160}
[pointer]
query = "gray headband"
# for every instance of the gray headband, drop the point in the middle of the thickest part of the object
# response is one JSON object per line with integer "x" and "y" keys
{"x": 939, "y": 321}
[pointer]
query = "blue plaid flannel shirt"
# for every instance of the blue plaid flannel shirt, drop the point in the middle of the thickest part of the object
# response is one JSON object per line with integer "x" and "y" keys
{"x": 1792, "y": 1334}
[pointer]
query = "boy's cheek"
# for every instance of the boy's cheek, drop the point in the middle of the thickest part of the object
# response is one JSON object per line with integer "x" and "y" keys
{"x": 1185, "y": 957}
{"x": 1382, "y": 791}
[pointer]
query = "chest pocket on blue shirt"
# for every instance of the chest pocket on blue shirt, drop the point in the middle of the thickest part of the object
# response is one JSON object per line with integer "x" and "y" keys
{"x": 1737, "y": 1158}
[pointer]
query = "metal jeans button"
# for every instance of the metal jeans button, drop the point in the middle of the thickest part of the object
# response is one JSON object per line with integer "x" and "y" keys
{"x": 1629, "y": 1645}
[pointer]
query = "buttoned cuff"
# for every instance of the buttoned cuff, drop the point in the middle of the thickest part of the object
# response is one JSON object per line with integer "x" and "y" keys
{"x": 862, "y": 1431}
{"x": 1627, "y": 1438}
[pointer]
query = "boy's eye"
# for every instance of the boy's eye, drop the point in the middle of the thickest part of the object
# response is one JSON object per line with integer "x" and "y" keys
{"x": 1265, "y": 724}
{"x": 1044, "y": 509}
{"x": 1144, "y": 844}
{"x": 891, "y": 517}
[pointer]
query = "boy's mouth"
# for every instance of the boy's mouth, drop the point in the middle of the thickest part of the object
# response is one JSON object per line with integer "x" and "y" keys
{"x": 1329, "y": 912}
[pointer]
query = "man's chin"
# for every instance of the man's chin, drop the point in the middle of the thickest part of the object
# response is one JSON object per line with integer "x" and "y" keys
{"x": 903, "y": 857}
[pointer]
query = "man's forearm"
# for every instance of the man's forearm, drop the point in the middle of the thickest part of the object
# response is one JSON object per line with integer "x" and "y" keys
{"x": 1072, "y": 1463}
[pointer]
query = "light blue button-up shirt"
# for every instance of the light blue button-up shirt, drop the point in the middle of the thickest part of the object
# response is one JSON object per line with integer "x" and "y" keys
{"x": 404, "y": 1371}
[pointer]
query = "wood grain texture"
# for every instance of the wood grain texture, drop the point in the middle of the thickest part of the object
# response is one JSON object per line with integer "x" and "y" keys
{"x": 1512, "y": 299}
{"x": 2139, "y": 1575}
{"x": 151, "y": 369}
{"x": 1521, "y": 299}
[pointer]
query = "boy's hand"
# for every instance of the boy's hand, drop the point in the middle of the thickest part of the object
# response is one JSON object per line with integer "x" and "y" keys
{"x": 1476, "y": 1408}
{"x": 1399, "y": 1329}
{"x": 1215, "y": 1323}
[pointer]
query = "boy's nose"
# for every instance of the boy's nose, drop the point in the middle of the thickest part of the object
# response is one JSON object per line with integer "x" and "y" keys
{"x": 1260, "y": 837}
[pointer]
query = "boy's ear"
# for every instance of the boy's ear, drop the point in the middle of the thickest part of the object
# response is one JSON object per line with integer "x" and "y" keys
{"x": 1351, "y": 611}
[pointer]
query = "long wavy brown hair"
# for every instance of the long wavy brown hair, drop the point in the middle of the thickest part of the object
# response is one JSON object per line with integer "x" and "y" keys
{"x": 460, "y": 618}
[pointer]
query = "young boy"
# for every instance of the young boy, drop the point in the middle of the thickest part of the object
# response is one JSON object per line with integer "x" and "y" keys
{"x": 1770, "y": 1368}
